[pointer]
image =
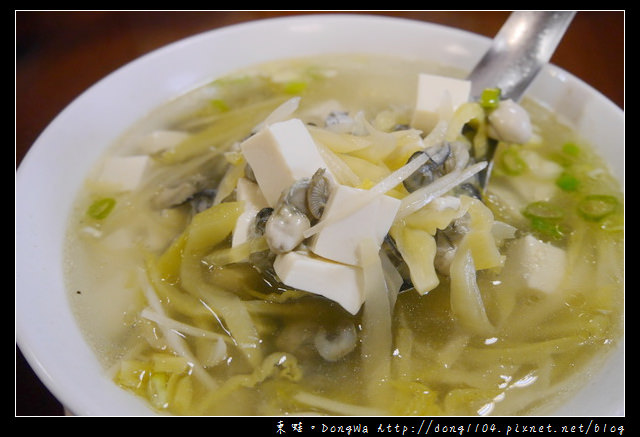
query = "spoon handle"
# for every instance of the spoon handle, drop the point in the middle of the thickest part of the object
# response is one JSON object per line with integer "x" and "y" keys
{"x": 523, "y": 45}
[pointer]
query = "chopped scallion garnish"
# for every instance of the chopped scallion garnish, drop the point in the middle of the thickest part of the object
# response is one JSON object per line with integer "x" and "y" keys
{"x": 295, "y": 87}
{"x": 595, "y": 207}
{"x": 511, "y": 161}
{"x": 220, "y": 105}
{"x": 546, "y": 219}
{"x": 567, "y": 182}
{"x": 571, "y": 149}
{"x": 490, "y": 98}
{"x": 543, "y": 210}
{"x": 548, "y": 228}
{"x": 101, "y": 208}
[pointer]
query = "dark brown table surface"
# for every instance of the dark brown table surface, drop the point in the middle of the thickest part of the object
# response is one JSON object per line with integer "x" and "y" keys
{"x": 60, "y": 54}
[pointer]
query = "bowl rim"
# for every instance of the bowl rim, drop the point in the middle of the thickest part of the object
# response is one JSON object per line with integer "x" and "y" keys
{"x": 37, "y": 358}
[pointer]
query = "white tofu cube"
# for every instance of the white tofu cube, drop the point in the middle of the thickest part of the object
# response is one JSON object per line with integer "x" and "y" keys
{"x": 437, "y": 96}
{"x": 249, "y": 193}
{"x": 338, "y": 282}
{"x": 279, "y": 155}
{"x": 535, "y": 265}
{"x": 340, "y": 239}
{"x": 123, "y": 173}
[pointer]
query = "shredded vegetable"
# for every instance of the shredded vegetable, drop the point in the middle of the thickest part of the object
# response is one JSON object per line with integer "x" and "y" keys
{"x": 376, "y": 336}
{"x": 466, "y": 301}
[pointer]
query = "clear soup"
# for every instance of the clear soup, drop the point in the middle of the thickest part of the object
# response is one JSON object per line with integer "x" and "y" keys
{"x": 197, "y": 326}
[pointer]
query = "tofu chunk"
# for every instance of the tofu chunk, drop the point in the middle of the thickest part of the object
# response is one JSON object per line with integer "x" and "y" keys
{"x": 123, "y": 173}
{"x": 279, "y": 155}
{"x": 339, "y": 241}
{"x": 535, "y": 265}
{"x": 438, "y": 96}
{"x": 338, "y": 282}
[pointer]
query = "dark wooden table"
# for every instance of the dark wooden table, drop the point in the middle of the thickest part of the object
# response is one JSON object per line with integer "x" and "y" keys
{"x": 60, "y": 54}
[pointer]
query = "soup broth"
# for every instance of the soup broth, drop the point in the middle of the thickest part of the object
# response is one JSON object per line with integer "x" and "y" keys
{"x": 183, "y": 316}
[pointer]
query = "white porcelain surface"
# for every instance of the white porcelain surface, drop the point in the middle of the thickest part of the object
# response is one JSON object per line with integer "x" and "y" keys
{"x": 55, "y": 166}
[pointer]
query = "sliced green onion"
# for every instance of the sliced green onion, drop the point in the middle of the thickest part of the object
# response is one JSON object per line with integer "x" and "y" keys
{"x": 567, "y": 182}
{"x": 511, "y": 161}
{"x": 220, "y": 105}
{"x": 571, "y": 149}
{"x": 595, "y": 207}
{"x": 295, "y": 87}
{"x": 612, "y": 223}
{"x": 490, "y": 98}
{"x": 101, "y": 208}
{"x": 543, "y": 210}
{"x": 548, "y": 228}
{"x": 545, "y": 219}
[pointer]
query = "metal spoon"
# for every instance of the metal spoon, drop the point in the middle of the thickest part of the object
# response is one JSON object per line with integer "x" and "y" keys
{"x": 523, "y": 45}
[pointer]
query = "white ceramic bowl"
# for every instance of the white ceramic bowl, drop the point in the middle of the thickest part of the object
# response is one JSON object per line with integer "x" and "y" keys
{"x": 55, "y": 166}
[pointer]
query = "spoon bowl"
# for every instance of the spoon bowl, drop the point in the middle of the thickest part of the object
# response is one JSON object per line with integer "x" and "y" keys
{"x": 523, "y": 45}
